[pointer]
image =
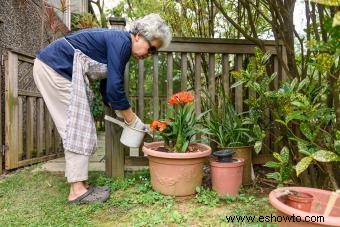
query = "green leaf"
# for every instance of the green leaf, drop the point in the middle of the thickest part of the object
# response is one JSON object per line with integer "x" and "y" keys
{"x": 303, "y": 148}
{"x": 272, "y": 164}
{"x": 238, "y": 83}
{"x": 275, "y": 176}
{"x": 336, "y": 19}
{"x": 286, "y": 172}
{"x": 298, "y": 103}
{"x": 296, "y": 115}
{"x": 307, "y": 132}
{"x": 327, "y": 2}
{"x": 337, "y": 146}
{"x": 303, "y": 83}
{"x": 281, "y": 122}
{"x": 284, "y": 155}
{"x": 258, "y": 146}
{"x": 325, "y": 156}
{"x": 277, "y": 156}
{"x": 303, "y": 165}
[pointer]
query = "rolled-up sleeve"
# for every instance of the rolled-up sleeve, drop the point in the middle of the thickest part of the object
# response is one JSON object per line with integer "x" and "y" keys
{"x": 112, "y": 88}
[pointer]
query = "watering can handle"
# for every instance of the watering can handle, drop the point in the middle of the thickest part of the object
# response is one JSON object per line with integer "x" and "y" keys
{"x": 114, "y": 120}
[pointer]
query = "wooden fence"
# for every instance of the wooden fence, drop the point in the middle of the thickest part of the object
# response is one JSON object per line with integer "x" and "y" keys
{"x": 30, "y": 134}
{"x": 202, "y": 63}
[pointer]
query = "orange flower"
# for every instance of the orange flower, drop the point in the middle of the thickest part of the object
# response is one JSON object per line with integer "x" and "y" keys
{"x": 154, "y": 125}
{"x": 158, "y": 125}
{"x": 181, "y": 97}
{"x": 173, "y": 100}
{"x": 162, "y": 126}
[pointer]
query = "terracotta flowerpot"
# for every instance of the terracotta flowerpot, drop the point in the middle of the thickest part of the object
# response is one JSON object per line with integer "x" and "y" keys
{"x": 176, "y": 174}
{"x": 244, "y": 152}
{"x": 226, "y": 177}
{"x": 278, "y": 198}
{"x": 300, "y": 200}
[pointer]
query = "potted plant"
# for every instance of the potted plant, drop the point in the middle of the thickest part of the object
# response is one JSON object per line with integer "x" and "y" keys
{"x": 176, "y": 163}
{"x": 231, "y": 130}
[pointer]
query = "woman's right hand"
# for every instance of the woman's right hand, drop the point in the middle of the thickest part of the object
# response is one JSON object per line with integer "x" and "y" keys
{"x": 132, "y": 119}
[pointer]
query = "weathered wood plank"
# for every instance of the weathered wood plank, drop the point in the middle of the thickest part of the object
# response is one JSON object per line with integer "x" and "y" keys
{"x": 198, "y": 45}
{"x": 261, "y": 159}
{"x": 136, "y": 161}
{"x": 141, "y": 74}
{"x": 126, "y": 79}
{"x": 198, "y": 88}
{"x": 1, "y": 124}
{"x": 11, "y": 110}
{"x": 225, "y": 73}
{"x": 108, "y": 144}
{"x": 285, "y": 62}
{"x": 276, "y": 86}
{"x": 184, "y": 71}
{"x": 48, "y": 132}
{"x": 211, "y": 75}
{"x": 155, "y": 90}
{"x": 39, "y": 159}
{"x": 30, "y": 127}
{"x": 21, "y": 128}
{"x": 40, "y": 127}
{"x": 114, "y": 150}
{"x": 28, "y": 93}
{"x": 238, "y": 89}
{"x": 169, "y": 75}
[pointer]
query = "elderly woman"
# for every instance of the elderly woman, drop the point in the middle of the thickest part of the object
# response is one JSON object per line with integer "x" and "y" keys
{"x": 62, "y": 72}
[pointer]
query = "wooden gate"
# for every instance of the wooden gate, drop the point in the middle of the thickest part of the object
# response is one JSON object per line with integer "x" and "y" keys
{"x": 30, "y": 134}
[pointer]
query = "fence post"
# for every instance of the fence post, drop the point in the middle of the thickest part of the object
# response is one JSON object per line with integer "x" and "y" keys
{"x": 1, "y": 148}
{"x": 114, "y": 150}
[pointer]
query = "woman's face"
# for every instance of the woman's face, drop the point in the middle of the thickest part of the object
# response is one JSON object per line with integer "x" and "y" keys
{"x": 142, "y": 48}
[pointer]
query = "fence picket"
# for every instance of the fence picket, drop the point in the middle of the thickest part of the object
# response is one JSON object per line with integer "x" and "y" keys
{"x": 238, "y": 89}
{"x": 141, "y": 73}
{"x": 211, "y": 71}
{"x": 184, "y": 71}
{"x": 155, "y": 90}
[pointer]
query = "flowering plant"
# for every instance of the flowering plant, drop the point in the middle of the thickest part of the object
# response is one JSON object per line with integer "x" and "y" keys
{"x": 178, "y": 131}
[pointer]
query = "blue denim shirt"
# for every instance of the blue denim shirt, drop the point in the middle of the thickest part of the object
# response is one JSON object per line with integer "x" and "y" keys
{"x": 107, "y": 46}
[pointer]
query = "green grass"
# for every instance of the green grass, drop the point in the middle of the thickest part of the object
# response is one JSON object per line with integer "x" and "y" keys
{"x": 38, "y": 198}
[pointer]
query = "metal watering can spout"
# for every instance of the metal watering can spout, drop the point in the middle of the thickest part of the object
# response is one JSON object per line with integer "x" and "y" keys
{"x": 130, "y": 137}
{"x": 117, "y": 122}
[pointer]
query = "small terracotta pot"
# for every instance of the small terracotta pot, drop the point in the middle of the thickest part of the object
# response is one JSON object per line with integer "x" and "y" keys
{"x": 244, "y": 152}
{"x": 226, "y": 177}
{"x": 300, "y": 200}
{"x": 176, "y": 174}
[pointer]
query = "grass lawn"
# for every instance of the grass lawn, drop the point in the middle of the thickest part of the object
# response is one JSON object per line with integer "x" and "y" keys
{"x": 39, "y": 198}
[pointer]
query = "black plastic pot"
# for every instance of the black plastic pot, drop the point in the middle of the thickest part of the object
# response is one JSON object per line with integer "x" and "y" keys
{"x": 224, "y": 155}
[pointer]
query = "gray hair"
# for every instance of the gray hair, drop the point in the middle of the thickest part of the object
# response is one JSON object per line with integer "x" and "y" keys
{"x": 152, "y": 27}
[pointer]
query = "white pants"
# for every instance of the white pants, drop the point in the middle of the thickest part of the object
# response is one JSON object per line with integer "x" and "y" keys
{"x": 56, "y": 91}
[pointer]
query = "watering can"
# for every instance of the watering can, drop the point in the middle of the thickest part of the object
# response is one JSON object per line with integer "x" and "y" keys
{"x": 130, "y": 137}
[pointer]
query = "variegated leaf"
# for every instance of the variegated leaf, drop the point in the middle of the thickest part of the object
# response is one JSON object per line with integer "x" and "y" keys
{"x": 303, "y": 165}
{"x": 328, "y": 2}
{"x": 258, "y": 146}
{"x": 325, "y": 156}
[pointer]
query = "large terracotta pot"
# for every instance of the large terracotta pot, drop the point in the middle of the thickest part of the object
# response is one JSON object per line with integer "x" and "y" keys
{"x": 176, "y": 174}
{"x": 226, "y": 177}
{"x": 278, "y": 199}
{"x": 244, "y": 152}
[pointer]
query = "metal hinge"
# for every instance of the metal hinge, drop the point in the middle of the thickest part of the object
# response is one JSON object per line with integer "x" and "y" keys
{"x": 4, "y": 149}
